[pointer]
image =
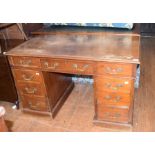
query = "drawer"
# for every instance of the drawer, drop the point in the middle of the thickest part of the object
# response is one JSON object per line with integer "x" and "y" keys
{"x": 26, "y": 61}
{"x": 79, "y": 67}
{"x": 35, "y": 103}
{"x": 118, "y": 69}
{"x": 114, "y": 99}
{"x": 31, "y": 88}
{"x": 53, "y": 64}
{"x": 112, "y": 114}
{"x": 27, "y": 75}
{"x": 114, "y": 84}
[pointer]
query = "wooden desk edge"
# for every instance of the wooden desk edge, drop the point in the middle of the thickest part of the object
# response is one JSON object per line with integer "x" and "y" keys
{"x": 84, "y": 33}
{"x": 136, "y": 61}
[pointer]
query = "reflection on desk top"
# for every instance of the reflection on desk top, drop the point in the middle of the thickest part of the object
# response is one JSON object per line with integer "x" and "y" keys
{"x": 84, "y": 47}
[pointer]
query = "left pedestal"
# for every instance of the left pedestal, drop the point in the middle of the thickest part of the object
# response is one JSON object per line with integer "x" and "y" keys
{"x": 39, "y": 92}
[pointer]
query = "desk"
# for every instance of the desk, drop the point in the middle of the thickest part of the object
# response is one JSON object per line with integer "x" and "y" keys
{"x": 42, "y": 68}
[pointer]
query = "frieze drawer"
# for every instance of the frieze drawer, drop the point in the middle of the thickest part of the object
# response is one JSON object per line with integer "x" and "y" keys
{"x": 116, "y": 69}
{"x": 25, "y": 61}
{"x": 80, "y": 67}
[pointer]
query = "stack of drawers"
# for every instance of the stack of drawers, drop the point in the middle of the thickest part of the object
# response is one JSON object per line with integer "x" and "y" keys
{"x": 114, "y": 92}
{"x": 30, "y": 84}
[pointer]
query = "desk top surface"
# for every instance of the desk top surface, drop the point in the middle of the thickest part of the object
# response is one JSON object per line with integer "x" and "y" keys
{"x": 119, "y": 48}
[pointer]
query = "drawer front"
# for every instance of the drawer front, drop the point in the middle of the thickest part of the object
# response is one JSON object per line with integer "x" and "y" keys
{"x": 27, "y": 75}
{"x": 53, "y": 64}
{"x": 79, "y": 67}
{"x": 113, "y": 114}
{"x": 35, "y": 103}
{"x": 31, "y": 88}
{"x": 68, "y": 66}
{"x": 114, "y": 99}
{"x": 26, "y": 61}
{"x": 114, "y": 84}
{"x": 113, "y": 69}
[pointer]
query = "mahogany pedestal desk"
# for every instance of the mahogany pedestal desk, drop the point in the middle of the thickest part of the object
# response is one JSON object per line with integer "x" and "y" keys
{"x": 42, "y": 65}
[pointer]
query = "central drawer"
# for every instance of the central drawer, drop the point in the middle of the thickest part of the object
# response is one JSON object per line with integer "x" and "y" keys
{"x": 68, "y": 66}
{"x": 79, "y": 67}
{"x": 53, "y": 64}
{"x": 32, "y": 89}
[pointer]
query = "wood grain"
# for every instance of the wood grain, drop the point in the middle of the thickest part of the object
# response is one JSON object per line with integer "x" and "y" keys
{"x": 109, "y": 84}
{"x": 25, "y": 75}
{"x": 112, "y": 114}
{"x": 85, "y": 47}
{"x": 116, "y": 69}
{"x": 34, "y": 103}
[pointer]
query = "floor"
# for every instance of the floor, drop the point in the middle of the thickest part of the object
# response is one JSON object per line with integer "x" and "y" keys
{"x": 78, "y": 110}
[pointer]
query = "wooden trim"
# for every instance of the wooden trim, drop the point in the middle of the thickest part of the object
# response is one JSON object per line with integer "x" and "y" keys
{"x": 113, "y": 125}
{"x": 83, "y": 31}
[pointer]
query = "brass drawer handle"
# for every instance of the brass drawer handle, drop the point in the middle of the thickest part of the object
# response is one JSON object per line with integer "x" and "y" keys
{"x": 116, "y": 99}
{"x": 25, "y": 62}
{"x": 107, "y": 97}
{"x": 109, "y": 85}
{"x": 116, "y": 115}
{"x": 80, "y": 69}
{"x": 30, "y": 90}
{"x": 119, "y": 85}
{"x": 109, "y": 70}
{"x": 46, "y": 64}
{"x": 106, "y": 114}
{"x": 33, "y": 106}
{"x": 26, "y": 78}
